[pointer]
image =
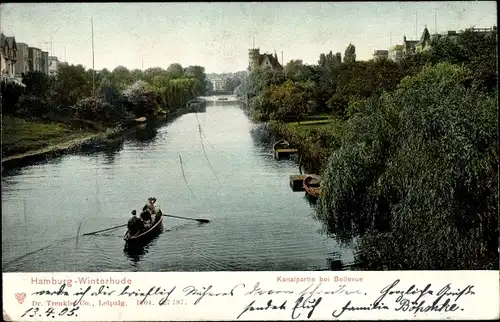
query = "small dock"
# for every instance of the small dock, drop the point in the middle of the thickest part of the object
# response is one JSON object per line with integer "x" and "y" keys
{"x": 278, "y": 153}
{"x": 296, "y": 182}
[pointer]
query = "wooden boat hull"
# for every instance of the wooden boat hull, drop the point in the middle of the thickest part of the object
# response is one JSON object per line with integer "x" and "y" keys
{"x": 145, "y": 235}
{"x": 312, "y": 185}
{"x": 281, "y": 144}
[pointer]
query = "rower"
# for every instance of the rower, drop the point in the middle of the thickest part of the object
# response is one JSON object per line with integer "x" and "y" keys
{"x": 157, "y": 210}
{"x": 134, "y": 224}
{"x": 146, "y": 217}
{"x": 150, "y": 206}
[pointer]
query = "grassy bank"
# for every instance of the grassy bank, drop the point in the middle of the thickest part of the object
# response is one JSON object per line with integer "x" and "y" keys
{"x": 22, "y": 136}
{"x": 315, "y": 139}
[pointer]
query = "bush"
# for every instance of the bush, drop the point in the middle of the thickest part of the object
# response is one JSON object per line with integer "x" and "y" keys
{"x": 140, "y": 99}
{"x": 11, "y": 93}
{"x": 33, "y": 106}
{"x": 93, "y": 108}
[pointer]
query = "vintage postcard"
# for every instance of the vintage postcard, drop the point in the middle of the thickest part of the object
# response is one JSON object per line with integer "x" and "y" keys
{"x": 249, "y": 161}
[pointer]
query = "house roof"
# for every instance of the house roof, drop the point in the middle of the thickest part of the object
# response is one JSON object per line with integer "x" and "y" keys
{"x": 12, "y": 42}
{"x": 273, "y": 60}
{"x": 426, "y": 36}
{"x": 412, "y": 43}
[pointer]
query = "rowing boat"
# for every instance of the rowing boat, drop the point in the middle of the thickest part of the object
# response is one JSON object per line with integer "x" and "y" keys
{"x": 312, "y": 185}
{"x": 145, "y": 234}
{"x": 281, "y": 144}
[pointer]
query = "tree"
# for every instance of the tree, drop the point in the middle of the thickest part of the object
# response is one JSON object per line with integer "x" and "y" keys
{"x": 414, "y": 176}
{"x": 71, "y": 85}
{"x": 322, "y": 60}
{"x": 231, "y": 84}
{"x": 121, "y": 77}
{"x": 197, "y": 72}
{"x": 110, "y": 95}
{"x": 209, "y": 87}
{"x": 293, "y": 69}
{"x": 136, "y": 74}
{"x": 11, "y": 93}
{"x": 350, "y": 54}
{"x": 151, "y": 73}
{"x": 140, "y": 98}
{"x": 37, "y": 83}
{"x": 175, "y": 71}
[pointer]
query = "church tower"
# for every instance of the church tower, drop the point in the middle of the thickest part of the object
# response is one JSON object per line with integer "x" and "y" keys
{"x": 253, "y": 58}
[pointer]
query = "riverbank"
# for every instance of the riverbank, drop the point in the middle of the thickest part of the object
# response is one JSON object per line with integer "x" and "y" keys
{"x": 315, "y": 139}
{"x": 20, "y": 136}
{"x": 23, "y": 139}
{"x": 27, "y": 139}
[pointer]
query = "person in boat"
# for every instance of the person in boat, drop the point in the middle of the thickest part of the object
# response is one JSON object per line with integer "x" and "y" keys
{"x": 157, "y": 211}
{"x": 150, "y": 206}
{"x": 134, "y": 224}
{"x": 151, "y": 210}
{"x": 146, "y": 219}
{"x": 146, "y": 215}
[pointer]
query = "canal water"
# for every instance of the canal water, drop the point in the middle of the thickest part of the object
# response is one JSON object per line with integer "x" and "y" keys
{"x": 228, "y": 176}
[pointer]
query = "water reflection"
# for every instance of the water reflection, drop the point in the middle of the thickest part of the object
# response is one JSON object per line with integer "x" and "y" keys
{"x": 145, "y": 134}
{"x": 312, "y": 201}
{"x": 109, "y": 149}
{"x": 52, "y": 158}
{"x": 136, "y": 251}
{"x": 260, "y": 134}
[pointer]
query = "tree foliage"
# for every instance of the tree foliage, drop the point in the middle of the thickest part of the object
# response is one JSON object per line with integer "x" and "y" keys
{"x": 37, "y": 83}
{"x": 415, "y": 174}
{"x": 122, "y": 93}
{"x": 175, "y": 71}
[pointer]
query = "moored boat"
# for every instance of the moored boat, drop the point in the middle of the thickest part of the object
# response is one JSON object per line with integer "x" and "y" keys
{"x": 146, "y": 233}
{"x": 312, "y": 185}
{"x": 281, "y": 144}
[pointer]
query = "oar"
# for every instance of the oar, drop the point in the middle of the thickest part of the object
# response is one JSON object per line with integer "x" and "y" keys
{"x": 198, "y": 220}
{"x": 100, "y": 231}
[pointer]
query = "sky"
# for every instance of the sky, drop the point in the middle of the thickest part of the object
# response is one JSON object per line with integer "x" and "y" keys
{"x": 217, "y": 36}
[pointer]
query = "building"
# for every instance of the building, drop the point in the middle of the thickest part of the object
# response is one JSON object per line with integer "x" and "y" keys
{"x": 8, "y": 53}
{"x": 484, "y": 31}
{"x": 22, "y": 64}
{"x": 258, "y": 60}
{"x": 35, "y": 59}
{"x": 425, "y": 41}
{"x": 44, "y": 68}
{"x": 453, "y": 35}
{"x": 380, "y": 54}
{"x": 53, "y": 64}
{"x": 219, "y": 84}
{"x": 409, "y": 46}
{"x": 395, "y": 53}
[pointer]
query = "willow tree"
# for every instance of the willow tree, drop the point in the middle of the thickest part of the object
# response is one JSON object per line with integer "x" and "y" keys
{"x": 415, "y": 176}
